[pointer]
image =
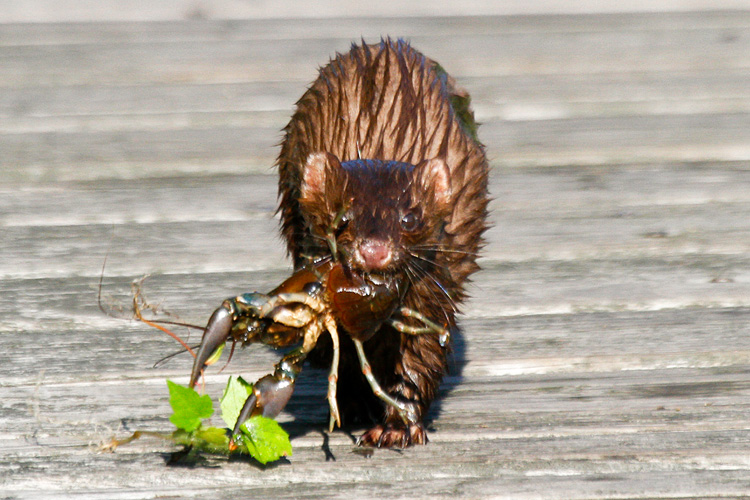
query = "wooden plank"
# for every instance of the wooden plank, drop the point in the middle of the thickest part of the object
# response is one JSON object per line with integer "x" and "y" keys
{"x": 343, "y": 27}
{"x": 567, "y": 128}
{"x": 132, "y": 129}
{"x": 497, "y": 341}
{"x": 565, "y": 192}
{"x": 206, "y": 57}
{"x": 632, "y": 212}
{"x": 48, "y": 11}
{"x": 225, "y": 149}
{"x": 604, "y": 422}
{"x": 98, "y": 107}
{"x": 514, "y": 98}
{"x": 553, "y": 430}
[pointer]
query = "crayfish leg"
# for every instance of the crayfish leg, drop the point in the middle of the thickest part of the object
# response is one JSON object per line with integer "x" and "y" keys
{"x": 444, "y": 334}
{"x": 333, "y": 375}
{"x": 283, "y": 299}
{"x": 405, "y": 410}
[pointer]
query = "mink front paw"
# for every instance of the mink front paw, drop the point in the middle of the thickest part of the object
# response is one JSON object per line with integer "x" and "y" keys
{"x": 394, "y": 435}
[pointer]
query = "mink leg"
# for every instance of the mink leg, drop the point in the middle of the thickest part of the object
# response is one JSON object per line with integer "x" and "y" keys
{"x": 415, "y": 381}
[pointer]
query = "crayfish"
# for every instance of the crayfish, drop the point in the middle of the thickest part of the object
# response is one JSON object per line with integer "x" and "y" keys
{"x": 317, "y": 298}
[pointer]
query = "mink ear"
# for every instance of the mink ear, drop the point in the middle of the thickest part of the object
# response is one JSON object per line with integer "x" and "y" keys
{"x": 319, "y": 169}
{"x": 435, "y": 177}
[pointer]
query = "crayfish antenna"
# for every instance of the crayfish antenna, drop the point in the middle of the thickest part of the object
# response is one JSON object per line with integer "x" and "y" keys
{"x": 137, "y": 300}
{"x": 139, "y": 303}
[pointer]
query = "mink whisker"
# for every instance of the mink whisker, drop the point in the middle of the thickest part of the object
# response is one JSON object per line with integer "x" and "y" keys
{"x": 443, "y": 249}
{"x": 437, "y": 282}
{"x": 418, "y": 270}
{"x": 413, "y": 272}
{"x": 429, "y": 261}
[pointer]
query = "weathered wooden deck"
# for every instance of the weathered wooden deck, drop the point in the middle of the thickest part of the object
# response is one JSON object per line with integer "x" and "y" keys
{"x": 605, "y": 352}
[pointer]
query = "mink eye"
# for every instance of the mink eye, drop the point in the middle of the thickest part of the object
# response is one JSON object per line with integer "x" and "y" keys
{"x": 409, "y": 222}
{"x": 343, "y": 222}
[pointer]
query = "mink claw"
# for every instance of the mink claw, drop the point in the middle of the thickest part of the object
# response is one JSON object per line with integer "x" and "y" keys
{"x": 394, "y": 435}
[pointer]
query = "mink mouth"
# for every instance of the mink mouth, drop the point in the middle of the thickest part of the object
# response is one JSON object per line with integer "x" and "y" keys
{"x": 388, "y": 278}
{"x": 378, "y": 277}
{"x": 375, "y": 276}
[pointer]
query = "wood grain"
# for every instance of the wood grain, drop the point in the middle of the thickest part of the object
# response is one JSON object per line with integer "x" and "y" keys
{"x": 604, "y": 352}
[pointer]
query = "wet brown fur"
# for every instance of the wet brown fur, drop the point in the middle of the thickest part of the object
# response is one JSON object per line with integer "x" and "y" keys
{"x": 389, "y": 102}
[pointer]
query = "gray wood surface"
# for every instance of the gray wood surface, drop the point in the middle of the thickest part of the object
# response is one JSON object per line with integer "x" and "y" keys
{"x": 605, "y": 351}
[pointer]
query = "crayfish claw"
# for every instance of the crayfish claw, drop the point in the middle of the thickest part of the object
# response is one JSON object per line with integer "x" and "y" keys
{"x": 270, "y": 395}
{"x": 247, "y": 410}
{"x": 216, "y": 334}
{"x": 273, "y": 393}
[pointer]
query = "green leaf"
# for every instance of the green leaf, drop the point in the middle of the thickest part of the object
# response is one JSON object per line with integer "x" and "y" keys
{"x": 261, "y": 437}
{"x": 206, "y": 439}
{"x": 188, "y": 407}
{"x": 265, "y": 440}
{"x": 233, "y": 399}
{"x": 214, "y": 436}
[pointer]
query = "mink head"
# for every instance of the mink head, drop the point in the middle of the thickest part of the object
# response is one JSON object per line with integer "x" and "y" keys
{"x": 376, "y": 215}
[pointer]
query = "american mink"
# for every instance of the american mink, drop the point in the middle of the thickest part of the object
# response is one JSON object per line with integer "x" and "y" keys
{"x": 382, "y": 154}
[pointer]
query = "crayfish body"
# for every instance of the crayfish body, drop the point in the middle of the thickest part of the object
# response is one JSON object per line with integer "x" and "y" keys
{"x": 313, "y": 300}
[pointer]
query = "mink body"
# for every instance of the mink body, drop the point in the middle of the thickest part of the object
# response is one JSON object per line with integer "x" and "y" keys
{"x": 382, "y": 153}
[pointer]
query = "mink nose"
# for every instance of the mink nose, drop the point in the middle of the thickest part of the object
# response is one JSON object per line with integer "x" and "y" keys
{"x": 375, "y": 254}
